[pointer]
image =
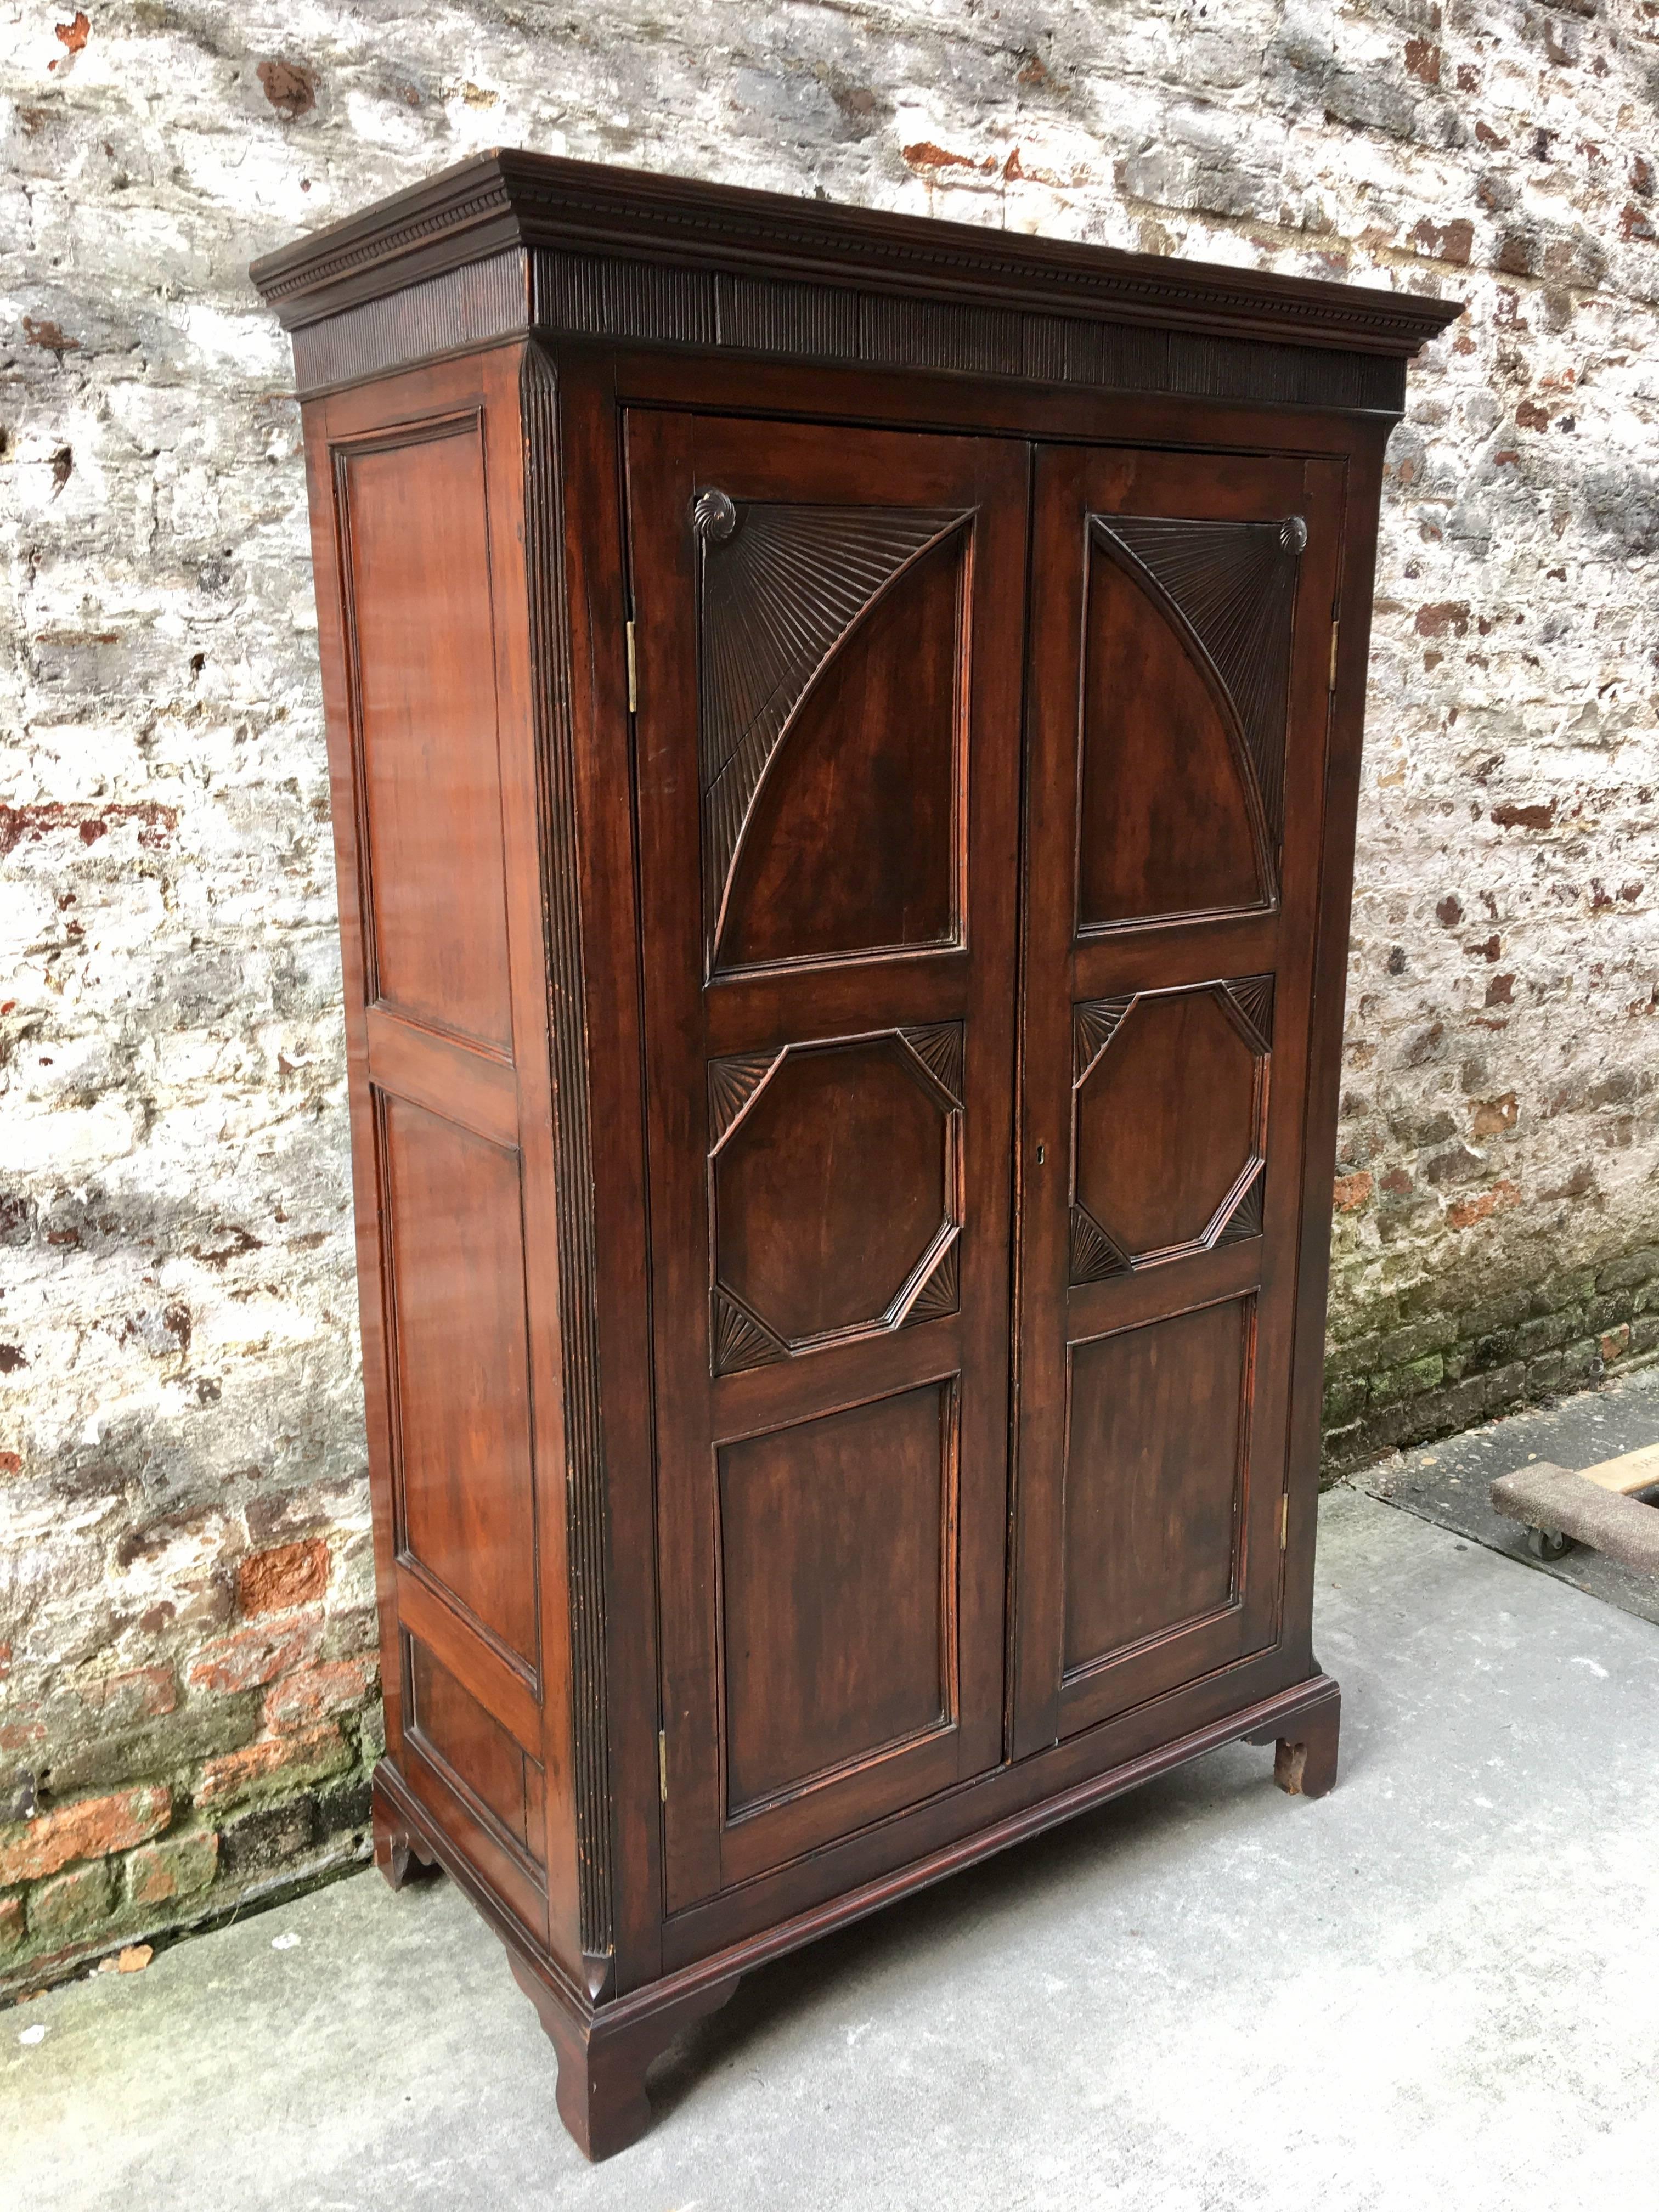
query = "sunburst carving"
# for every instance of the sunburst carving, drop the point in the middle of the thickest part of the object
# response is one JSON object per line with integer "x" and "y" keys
{"x": 779, "y": 592}
{"x": 941, "y": 1293}
{"x": 740, "y": 1340}
{"x": 1245, "y": 1219}
{"x": 731, "y": 1084}
{"x": 939, "y": 1048}
{"x": 1094, "y": 1022}
{"x": 1253, "y": 995}
{"x": 1234, "y": 584}
{"x": 1095, "y": 1255}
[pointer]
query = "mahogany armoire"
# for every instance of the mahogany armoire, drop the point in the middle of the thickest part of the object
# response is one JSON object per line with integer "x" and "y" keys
{"x": 845, "y": 732}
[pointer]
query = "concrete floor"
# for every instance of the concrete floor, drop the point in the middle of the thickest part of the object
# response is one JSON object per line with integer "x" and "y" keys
{"x": 1450, "y": 1482}
{"x": 1438, "y": 1987}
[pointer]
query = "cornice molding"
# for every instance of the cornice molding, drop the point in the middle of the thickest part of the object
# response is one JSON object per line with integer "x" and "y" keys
{"x": 505, "y": 200}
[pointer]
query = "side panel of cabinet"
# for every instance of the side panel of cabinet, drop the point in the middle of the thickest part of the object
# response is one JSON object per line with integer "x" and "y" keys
{"x": 417, "y": 504}
{"x": 1182, "y": 629}
{"x": 829, "y": 625}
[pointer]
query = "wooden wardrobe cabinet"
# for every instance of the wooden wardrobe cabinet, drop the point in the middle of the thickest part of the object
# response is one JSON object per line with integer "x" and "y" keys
{"x": 844, "y": 735}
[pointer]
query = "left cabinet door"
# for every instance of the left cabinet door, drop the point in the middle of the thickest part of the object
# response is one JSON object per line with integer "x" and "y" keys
{"x": 828, "y": 645}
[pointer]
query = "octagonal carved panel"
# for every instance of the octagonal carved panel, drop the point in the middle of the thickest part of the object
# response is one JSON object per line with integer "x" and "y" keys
{"x": 834, "y": 1191}
{"x": 1169, "y": 1101}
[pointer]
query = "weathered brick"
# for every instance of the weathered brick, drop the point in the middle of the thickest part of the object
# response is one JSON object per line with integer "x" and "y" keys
{"x": 283, "y": 1580}
{"x": 1505, "y": 1386}
{"x": 181, "y": 1866}
{"x": 208, "y": 1723}
{"x": 69, "y": 1904}
{"x": 1581, "y": 1362}
{"x": 296, "y": 1759}
{"x": 1408, "y": 1381}
{"x": 1548, "y": 1333}
{"x": 301, "y": 1699}
{"x": 90, "y": 1828}
{"x": 249, "y": 1657}
{"x": 271, "y": 1837}
{"x": 1629, "y": 1269}
{"x": 12, "y": 1924}
{"x": 345, "y": 1803}
{"x": 1344, "y": 1402}
{"x": 1544, "y": 1373}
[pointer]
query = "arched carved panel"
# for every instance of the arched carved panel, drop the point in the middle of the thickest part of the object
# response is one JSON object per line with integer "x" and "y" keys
{"x": 1186, "y": 672}
{"x": 835, "y": 633}
{"x": 1170, "y": 1117}
{"x": 833, "y": 1194}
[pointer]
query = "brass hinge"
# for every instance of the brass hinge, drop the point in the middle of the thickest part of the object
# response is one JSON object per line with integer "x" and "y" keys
{"x": 1336, "y": 632}
{"x": 1284, "y": 1520}
{"x": 634, "y": 675}
{"x": 662, "y": 1763}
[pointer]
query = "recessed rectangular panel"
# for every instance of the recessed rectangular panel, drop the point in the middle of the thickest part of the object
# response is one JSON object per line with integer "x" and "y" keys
{"x": 460, "y": 1349}
{"x": 837, "y": 1579}
{"x": 1153, "y": 1467}
{"x": 417, "y": 583}
{"x": 476, "y": 1748}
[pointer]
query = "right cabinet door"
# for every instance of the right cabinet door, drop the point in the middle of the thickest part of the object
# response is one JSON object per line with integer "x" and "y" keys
{"x": 1181, "y": 648}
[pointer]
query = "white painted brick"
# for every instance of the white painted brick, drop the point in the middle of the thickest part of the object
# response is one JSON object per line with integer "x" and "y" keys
{"x": 166, "y": 932}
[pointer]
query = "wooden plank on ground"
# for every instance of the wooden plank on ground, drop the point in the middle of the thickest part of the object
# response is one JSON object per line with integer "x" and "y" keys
{"x": 1630, "y": 1472}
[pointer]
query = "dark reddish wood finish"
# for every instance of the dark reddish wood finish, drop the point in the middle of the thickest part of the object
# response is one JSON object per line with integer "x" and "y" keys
{"x": 844, "y": 782}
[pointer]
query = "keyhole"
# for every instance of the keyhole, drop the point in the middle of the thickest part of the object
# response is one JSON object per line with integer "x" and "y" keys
{"x": 1042, "y": 1154}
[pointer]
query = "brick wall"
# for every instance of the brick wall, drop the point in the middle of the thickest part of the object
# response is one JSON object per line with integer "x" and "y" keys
{"x": 186, "y": 1622}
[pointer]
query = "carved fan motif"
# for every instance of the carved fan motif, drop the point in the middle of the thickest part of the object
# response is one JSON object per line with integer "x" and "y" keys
{"x": 1095, "y": 1255}
{"x": 1234, "y": 583}
{"x": 1253, "y": 996}
{"x": 740, "y": 1340}
{"x": 1245, "y": 1219}
{"x": 731, "y": 1085}
{"x": 1093, "y": 1022}
{"x": 939, "y": 1050}
{"x": 941, "y": 1292}
{"x": 780, "y": 590}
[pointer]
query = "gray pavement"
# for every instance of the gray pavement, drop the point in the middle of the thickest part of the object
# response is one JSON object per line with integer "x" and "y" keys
{"x": 1438, "y": 1987}
{"x": 1450, "y": 1482}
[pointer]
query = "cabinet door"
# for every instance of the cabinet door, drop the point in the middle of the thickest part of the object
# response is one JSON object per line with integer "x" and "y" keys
{"x": 1181, "y": 644}
{"x": 827, "y": 633}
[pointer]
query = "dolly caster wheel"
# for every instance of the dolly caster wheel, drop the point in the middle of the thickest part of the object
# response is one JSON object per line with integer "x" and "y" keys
{"x": 1547, "y": 1543}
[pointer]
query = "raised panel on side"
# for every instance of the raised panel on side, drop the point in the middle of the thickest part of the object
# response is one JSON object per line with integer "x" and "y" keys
{"x": 1168, "y": 823}
{"x": 460, "y": 1368}
{"x": 417, "y": 590}
{"x": 837, "y": 1577}
{"x": 1154, "y": 1470}
{"x": 455, "y": 1728}
{"x": 851, "y": 841}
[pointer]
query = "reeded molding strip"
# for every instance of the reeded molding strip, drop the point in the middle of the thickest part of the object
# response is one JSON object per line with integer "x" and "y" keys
{"x": 577, "y": 1242}
{"x": 581, "y": 295}
{"x": 506, "y": 198}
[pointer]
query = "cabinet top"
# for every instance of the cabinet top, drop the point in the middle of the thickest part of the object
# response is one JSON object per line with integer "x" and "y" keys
{"x": 714, "y": 265}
